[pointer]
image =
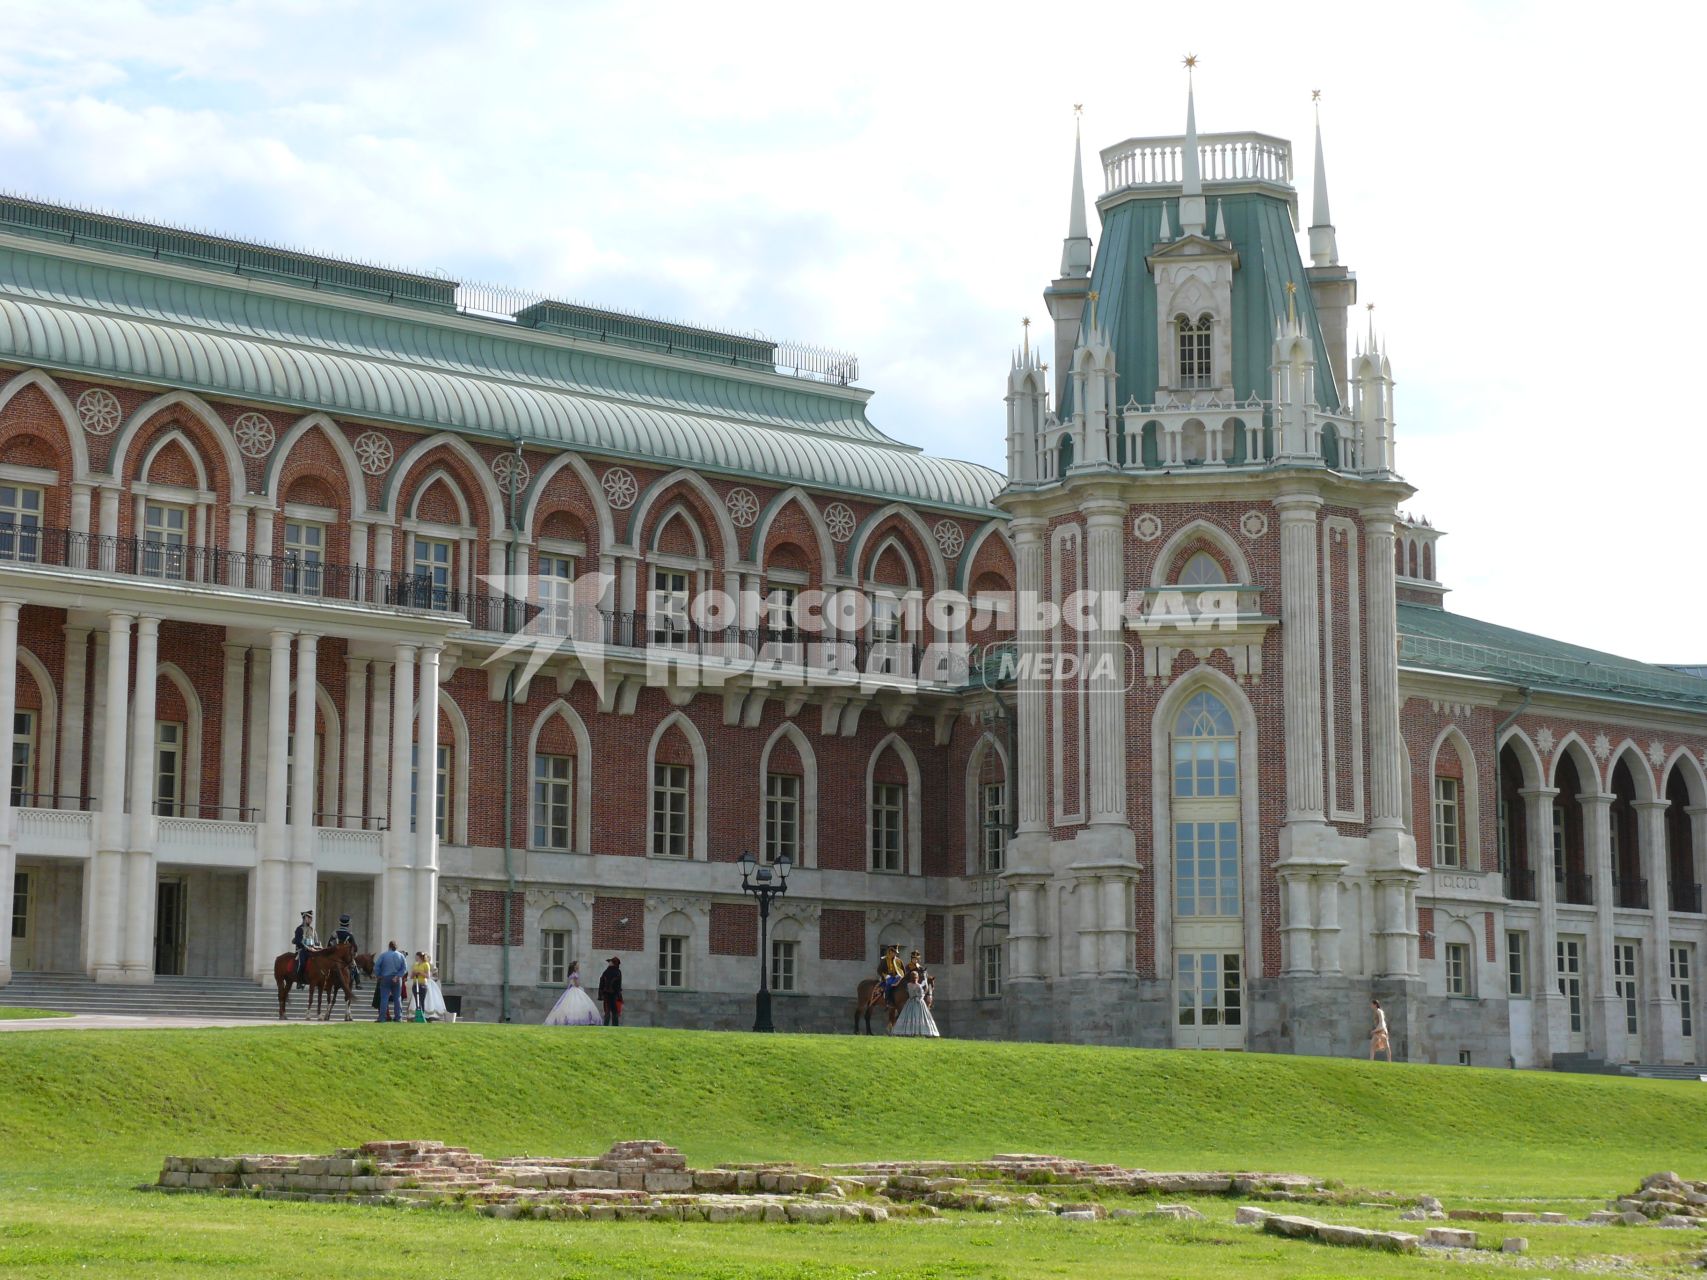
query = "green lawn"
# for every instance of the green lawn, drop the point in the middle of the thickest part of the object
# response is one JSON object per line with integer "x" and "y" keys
{"x": 88, "y": 1115}
{"x": 8, "y": 1012}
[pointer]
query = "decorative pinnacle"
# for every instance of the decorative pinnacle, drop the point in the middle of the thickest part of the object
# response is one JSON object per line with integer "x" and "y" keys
{"x": 1315, "y": 95}
{"x": 1025, "y": 324}
{"x": 1078, "y": 108}
{"x": 1190, "y": 62}
{"x": 1094, "y": 296}
{"x": 1291, "y": 302}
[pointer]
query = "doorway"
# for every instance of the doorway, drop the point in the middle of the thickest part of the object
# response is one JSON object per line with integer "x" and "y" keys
{"x": 170, "y": 911}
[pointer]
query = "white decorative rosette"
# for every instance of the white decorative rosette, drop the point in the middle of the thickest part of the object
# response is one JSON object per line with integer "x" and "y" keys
{"x": 840, "y": 518}
{"x": 98, "y": 410}
{"x": 512, "y": 472}
{"x": 374, "y": 453}
{"x": 1147, "y": 527}
{"x": 621, "y": 488}
{"x": 1253, "y": 524}
{"x": 949, "y": 538}
{"x": 743, "y": 507}
{"x": 255, "y": 436}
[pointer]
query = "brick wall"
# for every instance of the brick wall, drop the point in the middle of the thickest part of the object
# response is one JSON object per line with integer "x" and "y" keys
{"x": 734, "y": 929}
{"x": 609, "y": 933}
{"x": 933, "y": 939}
{"x": 486, "y": 917}
{"x": 841, "y": 934}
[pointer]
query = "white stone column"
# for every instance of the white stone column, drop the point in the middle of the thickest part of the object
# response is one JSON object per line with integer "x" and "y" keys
{"x": 69, "y": 777}
{"x": 379, "y": 747}
{"x": 1606, "y": 1024}
{"x": 379, "y": 572}
{"x": 108, "y": 559}
{"x": 426, "y": 828}
{"x": 139, "y": 861}
{"x": 1032, "y": 810}
{"x": 304, "y": 775}
{"x": 355, "y": 740}
{"x": 1662, "y": 1027}
{"x": 360, "y": 532}
{"x": 81, "y": 493}
{"x": 261, "y": 578}
{"x": 8, "y": 839}
{"x": 97, "y": 726}
{"x": 1090, "y": 924}
{"x": 231, "y": 732}
{"x": 1298, "y": 923}
{"x": 1117, "y": 931}
{"x": 395, "y": 901}
{"x": 1388, "y": 801}
{"x": 1106, "y": 578}
{"x": 273, "y": 916}
{"x": 1300, "y": 609}
{"x": 106, "y": 874}
{"x": 1549, "y": 1008}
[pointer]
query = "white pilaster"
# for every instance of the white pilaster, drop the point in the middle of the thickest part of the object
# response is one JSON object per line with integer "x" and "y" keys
{"x": 139, "y": 861}
{"x": 68, "y": 787}
{"x": 260, "y": 733}
{"x": 262, "y": 578}
{"x": 355, "y": 744}
{"x": 426, "y": 828}
{"x": 1662, "y": 1029}
{"x": 379, "y": 752}
{"x": 1105, "y": 575}
{"x": 1549, "y": 1029}
{"x": 106, "y": 877}
{"x": 1301, "y": 651}
{"x": 272, "y": 914}
{"x": 395, "y": 900}
{"x": 1606, "y": 1025}
{"x": 1032, "y": 809}
{"x": 304, "y": 774}
{"x": 231, "y": 732}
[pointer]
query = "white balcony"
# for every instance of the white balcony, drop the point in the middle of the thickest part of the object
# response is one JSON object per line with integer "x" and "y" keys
{"x": 1222, "y": 157}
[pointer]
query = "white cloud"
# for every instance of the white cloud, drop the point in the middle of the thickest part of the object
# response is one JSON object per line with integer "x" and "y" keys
{"x": 1511, "y": 184}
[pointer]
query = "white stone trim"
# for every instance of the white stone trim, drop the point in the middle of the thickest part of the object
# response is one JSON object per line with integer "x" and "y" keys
{"x": 915, "y": 804}
{"x": 1469, "y": 802}
{"x": 583, "y": 816}
{"x": 699, "y": 819}
{"x": 808, "y": 789}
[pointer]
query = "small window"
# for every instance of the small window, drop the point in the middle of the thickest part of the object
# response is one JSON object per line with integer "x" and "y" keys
{"x": 169, "y": 768}
{"x": 672, "y": 962}
{"x": 668, "y": 607}
{"x": 305, "y": 557}
{"x": 1194, "y": 348}
{"x": 1202, "y": 570}
{"x": 23, "y": 756}
{"x": 1458, "y": 969}
{"x": 994, "y": 803}
{"x": 782, "y": 817}
{"x": 990, "y": 970}
{"x": 20, "y": 523}
{"x": 669, "y": 811}
{"x": 1516, "y": 964}
{"x": 780, "y": 611}
{"x": 441, "y": 806}
{"x": 888, "y": 801}
{"x": 20, "y": 904}
{"x": 165, "y": 537}
{"x": 432, "y": 566}
{"x": 1626, "y": 986}
{"x": 556, "y": 586}
{"x": 553, "y": 787}
{"x": 556, "y": 949}
{"x": 1447, "y": 852}
{"x": 1683, "y": 988}
{"x": 784, "y": 954}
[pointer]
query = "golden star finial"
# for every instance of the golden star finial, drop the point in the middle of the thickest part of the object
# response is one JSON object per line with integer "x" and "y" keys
{"x": 1078, "y": 108}
{"x": 1291, "y": 287}
{"x": 1315, "y": 95}
{"x": 1095, "y": 295}
{"x": 1190, "y": 62}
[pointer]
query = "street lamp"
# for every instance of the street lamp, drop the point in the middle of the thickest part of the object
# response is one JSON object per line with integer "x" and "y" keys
{"x": 764, "y": 883}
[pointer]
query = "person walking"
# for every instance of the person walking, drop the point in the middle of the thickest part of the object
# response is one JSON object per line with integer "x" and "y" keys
{"x": 1379, "y": 1040}
{"x": 610, "y": 992}
{"x": 390, "y": 969}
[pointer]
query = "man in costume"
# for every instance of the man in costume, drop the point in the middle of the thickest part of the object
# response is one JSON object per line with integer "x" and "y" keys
{"x": 304, "y": 940}
{"x": 343, "y": 934}
{"x": 890, "y": 972}
{"x": 610, "y": 991}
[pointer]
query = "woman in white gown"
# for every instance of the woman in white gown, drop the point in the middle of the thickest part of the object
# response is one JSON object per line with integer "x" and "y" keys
{"x": 574, "y": 1008}
{"x": 433, "y": 1003}
{"x": 915, "y": 1019}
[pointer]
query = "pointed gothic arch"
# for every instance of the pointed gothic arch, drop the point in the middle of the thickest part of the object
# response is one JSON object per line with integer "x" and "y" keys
{"x": 856, "y": 557}
{"x": 808, "y": 788}
{"x": 582, "y": 819}
{"x": 271, "y": 478}
{"x": 535, "y": 493}
{"x": 487, "y": 486}
{"x": 224, "y": 441}
{"x": 1187, "y": 537}
{"x": 760, "y": 536}
{"x": 973, "y": 787}
{"x": 914, "y": 817}
{"x": 62, "y": 405}
{"x": 191, "y": 795}
{"x": 699, "y": 821}
{"x": 47, "y": 732}
{"x": 661, "y": 487}
{"x": 1470, "y": 799}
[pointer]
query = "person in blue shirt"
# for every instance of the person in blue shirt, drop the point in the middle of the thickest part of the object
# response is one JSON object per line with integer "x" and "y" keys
{"x": 389, "y": 968}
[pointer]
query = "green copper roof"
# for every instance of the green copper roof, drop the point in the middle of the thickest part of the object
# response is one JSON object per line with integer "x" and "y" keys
{"x": 1260, "y": 228}
{"x": 115, "y": 317}
{"x": 1437, "y": 640}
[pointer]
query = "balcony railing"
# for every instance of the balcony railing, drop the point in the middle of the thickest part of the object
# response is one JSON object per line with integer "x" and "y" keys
{"x": 1520, "y": 885}
{"x": 1685, "y": 896}
{"x": 1630, "y": 892}
{"x": 1221, "y": 157}
{"x": 1578, "y": 890}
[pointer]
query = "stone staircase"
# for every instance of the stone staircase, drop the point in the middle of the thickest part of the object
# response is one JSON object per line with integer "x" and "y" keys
{"x": 1666, "y": 1073}
{"x": 166, "y": 997}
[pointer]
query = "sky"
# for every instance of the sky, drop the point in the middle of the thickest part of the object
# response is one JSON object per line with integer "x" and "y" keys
{"x": 1512, "y": 183}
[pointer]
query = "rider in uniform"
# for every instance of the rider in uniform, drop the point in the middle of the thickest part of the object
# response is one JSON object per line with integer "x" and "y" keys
{"x": 343, "y": 934}
{"x": 890, "y": 972}
{"x": 304, "y": 939}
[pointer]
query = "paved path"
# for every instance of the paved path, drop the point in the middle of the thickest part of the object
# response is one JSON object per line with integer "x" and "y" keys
{"x": 118, "y": 1022}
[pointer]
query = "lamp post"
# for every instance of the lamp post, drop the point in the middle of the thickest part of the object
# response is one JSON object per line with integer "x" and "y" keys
{"x": 764, "y": 884}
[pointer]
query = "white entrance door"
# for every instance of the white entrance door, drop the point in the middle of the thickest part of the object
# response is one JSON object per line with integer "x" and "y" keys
{"x": 22, "y": 922}
{"x": 1209, "y": 1000}
{"x": 1626, "y": 986}
{"x": 1569, "y": 961}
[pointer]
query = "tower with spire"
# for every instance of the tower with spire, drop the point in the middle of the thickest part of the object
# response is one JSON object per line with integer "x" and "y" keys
{"x": 1217, "y": 463}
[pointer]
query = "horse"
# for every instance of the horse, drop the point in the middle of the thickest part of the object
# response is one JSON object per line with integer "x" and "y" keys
{"x": 327, "y": 973}
{"x": 870, "y": 995}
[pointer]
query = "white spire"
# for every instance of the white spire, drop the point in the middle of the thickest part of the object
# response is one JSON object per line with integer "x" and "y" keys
{"x": 1220, "y": 223}
{"x": 1167, "y": 231}
{"x": 1191, "y": 207}
{"x": 1324, "y": 247}
{"x": 1076, "y": 248}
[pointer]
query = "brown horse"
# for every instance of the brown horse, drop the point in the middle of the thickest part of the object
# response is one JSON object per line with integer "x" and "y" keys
{"x": 327, "y": 973}
{"x": 870, "y": 995}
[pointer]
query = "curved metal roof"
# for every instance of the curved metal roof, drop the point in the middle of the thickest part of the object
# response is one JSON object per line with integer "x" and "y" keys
{"x": 93, "y": 318}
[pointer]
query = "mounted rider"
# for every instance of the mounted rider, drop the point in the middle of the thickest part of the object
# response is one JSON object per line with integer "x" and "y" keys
{"x": 890, "y": 972}
{"x": 343, "y": 934}
{"x": 304, "y": 940}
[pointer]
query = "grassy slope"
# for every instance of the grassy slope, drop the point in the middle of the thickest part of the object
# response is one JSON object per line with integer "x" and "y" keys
{"x": 99, "y": 1109}
{"x": 9, "y": 1011}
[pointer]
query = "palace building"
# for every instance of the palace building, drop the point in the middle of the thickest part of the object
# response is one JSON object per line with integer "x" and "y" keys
{"x": 506, "y": 625}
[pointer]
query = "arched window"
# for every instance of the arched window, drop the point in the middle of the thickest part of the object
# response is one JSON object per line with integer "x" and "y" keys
{"x": 1066, "y": 455}
{"x": 1194, "y": 363}
{"x": 1206, "y": 809}
{"x": 1202, "y": 570}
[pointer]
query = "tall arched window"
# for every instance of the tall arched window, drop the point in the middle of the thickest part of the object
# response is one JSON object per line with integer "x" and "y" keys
{"x": 1208, "y": 956}
{"x": 1194, "y": 362}
{"x": 1202, "y": 570}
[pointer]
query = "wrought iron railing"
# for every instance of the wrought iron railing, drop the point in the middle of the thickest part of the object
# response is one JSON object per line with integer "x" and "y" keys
{"x": 1520, "y": 884}
{"x": 1578, "y": 890}
{"x": 1686, "y": 896}
{"x": 1630, "y": 892}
